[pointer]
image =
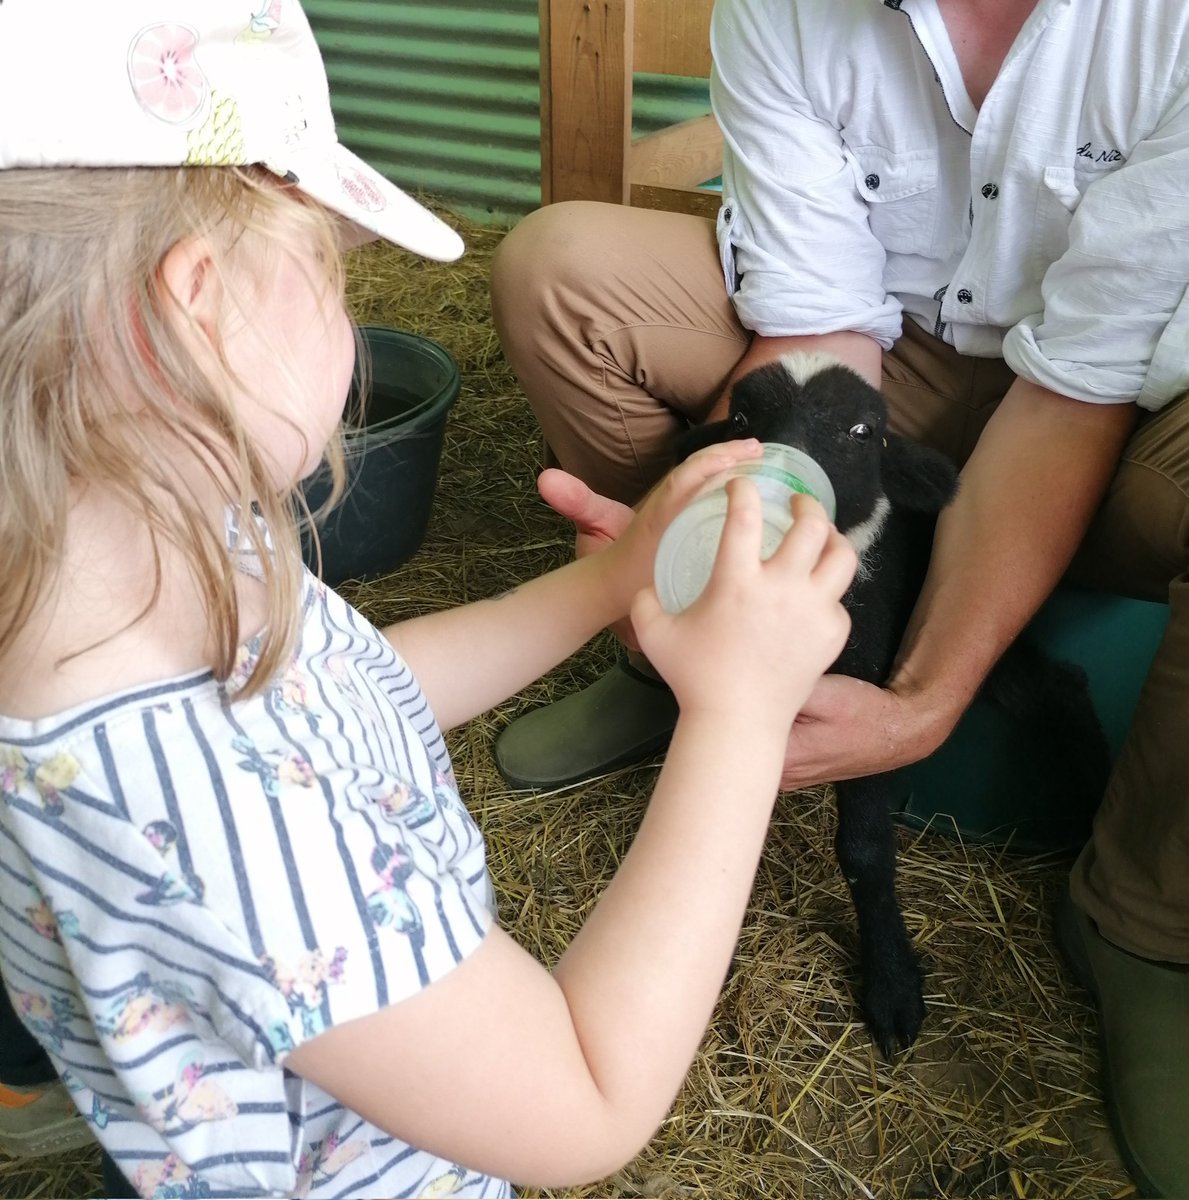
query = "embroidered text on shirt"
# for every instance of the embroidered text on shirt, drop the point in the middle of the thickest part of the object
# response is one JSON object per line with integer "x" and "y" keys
{"x": 1100, "y": 156}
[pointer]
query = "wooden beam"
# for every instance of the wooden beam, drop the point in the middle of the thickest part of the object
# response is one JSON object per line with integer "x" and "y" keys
{"x": 696, "y": 201}
{"x": 682, "y": 155}
{"x": 545, "y": 89}
{"x": 672, "y": 37}
{"x": 586, "y": 97}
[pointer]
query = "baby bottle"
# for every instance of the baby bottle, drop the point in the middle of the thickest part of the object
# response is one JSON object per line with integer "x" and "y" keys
{"x": 688, "y": 547}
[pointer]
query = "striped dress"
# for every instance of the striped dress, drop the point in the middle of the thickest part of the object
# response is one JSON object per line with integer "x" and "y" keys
{"x": 193, "y": 885}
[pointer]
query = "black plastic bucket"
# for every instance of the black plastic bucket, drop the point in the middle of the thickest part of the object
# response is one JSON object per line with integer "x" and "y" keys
{"x": 391, "y": 460}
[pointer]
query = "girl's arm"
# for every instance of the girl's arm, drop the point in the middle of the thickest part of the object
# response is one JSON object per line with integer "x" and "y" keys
{"x": 470, "y": 658}
{"x": 552, "y": 1079}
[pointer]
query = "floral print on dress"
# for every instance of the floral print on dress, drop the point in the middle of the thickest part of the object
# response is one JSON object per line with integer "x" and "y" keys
{"x": 52, "y": 925}
{"x": 340, "y": 670}
{"x": 49, "y": 1017}
{"x": 46, "y": 780}
{"x": 274, "y": 768}
{"x": 446, "y": 1184}
{"x": 172, "y": 889}
{"x": 406, "y": 804}
{"x": 161, "y": 835}
{"x": 388, "y": 902}
{"x": 175, "y": 886}
{"x": 304, "y": 985}
{"x": 192, "y": 1099}
{"x": 246, "y": 655}
{"x": 145, "y": 1006}
{"x": 291, "y": 696}
{"x": 100, "y": 1113}
{"x": 169, "y": 1179}
{"x": 322, "y": 1161}
{"x": 167, "y": 82}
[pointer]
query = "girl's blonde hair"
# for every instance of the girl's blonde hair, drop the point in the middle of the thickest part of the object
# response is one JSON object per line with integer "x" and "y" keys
{"x": 81, "y": 293}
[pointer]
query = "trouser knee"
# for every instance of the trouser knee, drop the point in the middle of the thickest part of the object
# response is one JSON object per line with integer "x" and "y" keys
{"x": 541, "y": 255}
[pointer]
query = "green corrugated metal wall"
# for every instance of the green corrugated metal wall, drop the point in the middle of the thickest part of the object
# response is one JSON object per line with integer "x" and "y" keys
{"x": 443, "y": 97}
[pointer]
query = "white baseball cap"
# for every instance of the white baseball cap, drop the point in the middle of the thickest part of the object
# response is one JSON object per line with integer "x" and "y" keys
{"x": 190, "y": 83}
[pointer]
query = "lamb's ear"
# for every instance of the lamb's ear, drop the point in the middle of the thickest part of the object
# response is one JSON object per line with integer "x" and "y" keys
{"x": 697, "y": 436}
{"x": 917, "y": 477}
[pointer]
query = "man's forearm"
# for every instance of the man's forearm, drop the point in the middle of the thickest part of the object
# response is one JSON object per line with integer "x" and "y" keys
{"x": 1027, "y": 496}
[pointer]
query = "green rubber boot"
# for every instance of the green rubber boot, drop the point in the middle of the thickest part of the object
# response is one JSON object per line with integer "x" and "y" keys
{"x": 623, "y": 718}
{"x": 1143, "y": 1026}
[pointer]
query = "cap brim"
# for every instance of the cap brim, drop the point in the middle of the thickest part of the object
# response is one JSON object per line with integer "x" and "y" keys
{"x": 347, "y": 185}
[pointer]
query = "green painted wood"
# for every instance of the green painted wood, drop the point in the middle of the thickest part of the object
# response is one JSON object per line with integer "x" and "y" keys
{"x": 444, "y": 98}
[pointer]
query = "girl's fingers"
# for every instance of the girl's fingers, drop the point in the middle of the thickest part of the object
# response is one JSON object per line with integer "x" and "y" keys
{"x": 742, "y": 534}
{"x": 837, "y": 565}
{"x": 814, "y": 546}
{"x": 802, "y": 546}
{"x": 646, "y": 606}
{"x": 714, "y": 460}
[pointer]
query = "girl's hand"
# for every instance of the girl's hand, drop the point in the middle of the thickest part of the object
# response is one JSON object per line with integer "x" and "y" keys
{"x": 762, "y": 633}
{"x": 632, "y": 536}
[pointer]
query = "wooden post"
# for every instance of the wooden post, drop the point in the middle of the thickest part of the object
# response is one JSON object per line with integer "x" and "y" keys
{"x": 586, "y": 99}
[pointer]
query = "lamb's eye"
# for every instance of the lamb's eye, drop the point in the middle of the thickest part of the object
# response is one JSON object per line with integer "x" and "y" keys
{"x": 860, "y": 432}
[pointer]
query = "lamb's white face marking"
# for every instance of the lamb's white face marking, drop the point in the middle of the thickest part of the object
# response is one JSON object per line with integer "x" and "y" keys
{"x": 864, "y": 535}
{"x": 803, "y": 365}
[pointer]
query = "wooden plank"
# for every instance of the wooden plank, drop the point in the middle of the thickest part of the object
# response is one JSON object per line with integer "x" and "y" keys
{"x": 586, "y": 94}
{"x": 682, "y": 155}
{"x": 672, "y": 37}
{"x": 545, "y": 83}
{"x": 696, "y": 201}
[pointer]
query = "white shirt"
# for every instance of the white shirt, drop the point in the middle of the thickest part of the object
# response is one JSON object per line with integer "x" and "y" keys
{"x": 1051, "y": 226}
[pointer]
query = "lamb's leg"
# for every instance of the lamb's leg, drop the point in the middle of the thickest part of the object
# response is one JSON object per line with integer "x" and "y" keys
{"x": 891, "y": 978}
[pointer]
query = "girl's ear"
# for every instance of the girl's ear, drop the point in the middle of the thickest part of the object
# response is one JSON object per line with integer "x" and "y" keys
{"x": 189, "y": 276}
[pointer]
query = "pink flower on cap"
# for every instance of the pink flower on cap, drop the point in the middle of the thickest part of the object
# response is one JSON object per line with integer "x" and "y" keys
{"x": 168, "y": 83}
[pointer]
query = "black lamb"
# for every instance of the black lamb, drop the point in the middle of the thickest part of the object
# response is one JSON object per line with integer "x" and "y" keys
{"x": 889, "y": 491}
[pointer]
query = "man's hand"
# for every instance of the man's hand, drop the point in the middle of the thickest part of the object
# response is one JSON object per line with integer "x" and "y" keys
{"x": 631, "y": 535}
{"x": 598, "y": 521}
{"x": 848, "y": 728}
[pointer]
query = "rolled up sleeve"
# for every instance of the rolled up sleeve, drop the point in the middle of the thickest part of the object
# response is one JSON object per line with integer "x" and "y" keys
{"x": 797, "y": 253}
{"x": 1115, "y": 322}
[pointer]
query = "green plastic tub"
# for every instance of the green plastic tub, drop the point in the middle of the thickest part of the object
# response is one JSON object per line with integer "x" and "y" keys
{"x": 391, "y": 457}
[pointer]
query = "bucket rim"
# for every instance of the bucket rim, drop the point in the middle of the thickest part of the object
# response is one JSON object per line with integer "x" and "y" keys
{"x": 426, "y": 413}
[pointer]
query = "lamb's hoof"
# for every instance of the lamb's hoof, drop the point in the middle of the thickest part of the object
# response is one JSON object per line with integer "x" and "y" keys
{"x": 894, "y": 1008}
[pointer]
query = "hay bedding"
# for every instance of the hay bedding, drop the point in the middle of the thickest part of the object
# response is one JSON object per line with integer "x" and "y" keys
{"x": 787, "y": 1098}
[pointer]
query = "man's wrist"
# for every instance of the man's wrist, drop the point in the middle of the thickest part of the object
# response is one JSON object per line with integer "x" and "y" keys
{"x": 928, "y": 713}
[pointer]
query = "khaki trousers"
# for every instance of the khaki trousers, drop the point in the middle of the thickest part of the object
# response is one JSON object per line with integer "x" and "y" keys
{"x": 617, "y": 323}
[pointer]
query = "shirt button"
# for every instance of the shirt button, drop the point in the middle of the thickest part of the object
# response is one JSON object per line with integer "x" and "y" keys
{"x": 990, "y": 191}
{"x": 872, "y": 183}
{"x": 965, "y": 296}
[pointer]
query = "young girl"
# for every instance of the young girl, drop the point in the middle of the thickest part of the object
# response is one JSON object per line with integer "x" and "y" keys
{"x": 241, "y": 903}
